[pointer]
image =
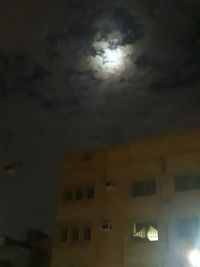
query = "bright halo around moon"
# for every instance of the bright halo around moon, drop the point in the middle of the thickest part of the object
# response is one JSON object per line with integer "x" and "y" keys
{"x": 108, "y": 61}
{"x": 112, "y": 59}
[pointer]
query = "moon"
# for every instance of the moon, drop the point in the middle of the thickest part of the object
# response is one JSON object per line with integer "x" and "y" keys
{"x": 112, "y": 58}
{"x": 109, "y": 61}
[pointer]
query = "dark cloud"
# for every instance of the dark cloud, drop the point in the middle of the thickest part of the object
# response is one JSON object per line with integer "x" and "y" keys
{"x": 39, "y": 73}
{"x": 128, "y": 25}
{"x": 17, "y": 74}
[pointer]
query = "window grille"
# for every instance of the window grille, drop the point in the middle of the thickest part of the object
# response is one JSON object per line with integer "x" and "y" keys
{"x": 64, "y": 235}
{"x": 145, "y": 231}
{"x": 90, "y": 193}
{"x": 68, "y": 195}
{"x": 144, "y": 188}
{"x": 187, "y": 182}
{"x": 79, "y": 194}
{"x": 87, "y": 233}
{"x": 75, "y": 234}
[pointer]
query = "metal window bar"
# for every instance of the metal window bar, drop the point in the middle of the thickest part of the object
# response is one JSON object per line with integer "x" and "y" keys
{"x": 75, "y": 234}
{"x": 187, "y": 182}
{"x": 87, "y": 233}
{"x": 145, "y": 231}
{"x": 90, "y": 193}
{"x": 68, "y": 195}
{"x": 138, "y": 189}
{"x": 64, "y": 235}
{"x": 79, "y": 194}
{"x": 145, "y": 188}
{"x": 150, "y": 187}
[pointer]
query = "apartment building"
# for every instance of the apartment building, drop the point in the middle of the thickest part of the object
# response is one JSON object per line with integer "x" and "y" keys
{"x": 133, "y": 205}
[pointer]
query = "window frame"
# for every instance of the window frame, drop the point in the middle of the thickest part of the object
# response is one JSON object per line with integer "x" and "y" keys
{"x": 79, "y": 194}
{"x": 64, "y": 235}
{"x": 146, "y": 226}
{"x": 184, "y": 183}
{"x": 68, "y": 195}
{"x": 90, "y": 192}
{"x": 87, "y": 233}
{"x": 147, "y": 187}
{"x": 75, "y": 233}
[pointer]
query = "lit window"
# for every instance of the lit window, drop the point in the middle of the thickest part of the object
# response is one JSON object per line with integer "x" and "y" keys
{"x": 75, "y": 234}
{"x": 145, "y": 231}
{"x": 68, "y": 195}
{"x": 79, "y": 194}
{"x": 188, "y": 227}
{"x": 144, "y": 188}
{"x": 64, "y": 235}
{"x": 90, "y": 193}
{"x": 87, "y": 233}
{"x": 187, "y": 182}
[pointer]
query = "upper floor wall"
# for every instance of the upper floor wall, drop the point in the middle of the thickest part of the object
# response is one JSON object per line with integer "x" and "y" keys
{"x": 156, "y": 155}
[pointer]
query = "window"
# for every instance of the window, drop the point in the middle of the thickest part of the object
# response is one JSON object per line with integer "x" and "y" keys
{"x": 90, "y": 193}
{"x": 87, "y": 233}
{"x": 64, "y": 235}
{"x": 79, "y": 194}
{"x": 187, "y": 182}
{"x": 145, "y": 231}
{"x": 188, "y": 227}
{"x": 68, "y": 195}
{"x": 145, "y": 188}
{"x": 75, "y": 234}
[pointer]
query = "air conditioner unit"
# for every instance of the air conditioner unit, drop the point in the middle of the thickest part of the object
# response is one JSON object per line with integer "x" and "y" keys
{"x": 106, "y": 227}
{"x": 109, "y": 185}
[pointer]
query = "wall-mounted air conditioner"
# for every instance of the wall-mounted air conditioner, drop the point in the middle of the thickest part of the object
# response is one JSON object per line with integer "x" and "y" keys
{"x": 109, "y": 185}
{"x": 106, "y": 227}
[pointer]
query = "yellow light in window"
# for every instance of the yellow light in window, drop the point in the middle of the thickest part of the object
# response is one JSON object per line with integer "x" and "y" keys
{"x": 152, "y": 234}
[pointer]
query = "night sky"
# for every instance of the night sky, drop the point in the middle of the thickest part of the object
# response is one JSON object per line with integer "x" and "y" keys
{"x": 58, "y": 92}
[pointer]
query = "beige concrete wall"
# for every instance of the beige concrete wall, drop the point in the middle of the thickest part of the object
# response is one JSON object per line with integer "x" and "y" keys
{"x": 161, "y": 158}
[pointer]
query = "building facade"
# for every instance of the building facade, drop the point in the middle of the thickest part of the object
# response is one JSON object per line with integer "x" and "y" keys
{"x": 133, "y": 205}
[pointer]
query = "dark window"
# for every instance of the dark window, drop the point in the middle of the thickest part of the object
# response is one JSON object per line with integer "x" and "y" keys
{"x": 186, "y": 183}
{"x": 64, "y": 235}
{"x": 145, "y": 231}
{"x": 75, "y": 234}
{"x": 145, "y": 188}
{"x": 79, "y": 194}
{"x": 188, "y": 227}
{"x": 68, "y": 195}
{"x": 90, "y": 193}
{"x": 87, "y": 233}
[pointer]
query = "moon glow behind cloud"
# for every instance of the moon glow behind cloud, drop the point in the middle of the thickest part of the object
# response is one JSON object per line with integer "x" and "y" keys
{"x": 109, "y": 61}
